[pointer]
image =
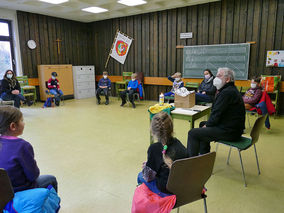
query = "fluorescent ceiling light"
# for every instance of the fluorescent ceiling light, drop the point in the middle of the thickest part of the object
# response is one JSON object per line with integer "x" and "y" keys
{"x": 54, "y": 1}
{"x": 132, "y": 2}
{"x": 95, "y": 9}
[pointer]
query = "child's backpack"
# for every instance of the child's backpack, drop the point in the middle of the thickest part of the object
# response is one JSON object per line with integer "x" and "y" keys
{"x": 48, "y": 102}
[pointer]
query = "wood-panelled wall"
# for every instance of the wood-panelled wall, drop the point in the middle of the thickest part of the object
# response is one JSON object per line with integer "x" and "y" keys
{"x": 75, "y": 46}
{"x": 156, "y": 35}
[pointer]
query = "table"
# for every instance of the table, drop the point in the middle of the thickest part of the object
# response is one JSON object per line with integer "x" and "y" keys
{"x": 189, "y": 114}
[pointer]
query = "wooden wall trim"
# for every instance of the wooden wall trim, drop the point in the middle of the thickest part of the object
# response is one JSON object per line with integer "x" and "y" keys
{"x": 159, "y": 81}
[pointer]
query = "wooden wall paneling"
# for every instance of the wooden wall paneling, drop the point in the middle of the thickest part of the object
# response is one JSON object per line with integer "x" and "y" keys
{"x": 58, "y": 36}
{"x": 137, "y": 43}
{"x": 211, "y": 24}
{"x": 110, "y": 38}
{"x": 50, "y": 40}
{"x": 46, "y": 45}
{"x": 117, "y": 66}
{"x": 181, "y": 28}
{"x": 270, "y": 35}
{"x": 199, "y": 24}
{"x": 217, "y": 22}
{"x": 279, "y": 26}
{"x": 282, "y": 43}
{"x": 243, "y": 21}
{"x": 65, "y": 46}
{"x": 165, "y": 38}
{"x": 205, "y": 24}
{"x": 151, "y": 50}
{"x": 130, "y": 29}
{"x": 160, "y": 45}
{"x": 20, "y": 17}
{"x": 223, "y": 21}
{"x": 194, "y": 15}
{"x": 170, "y": 46}
{"x": 189, "y": 24}
{"x": 254, "y": 49}
{"x": 32, "y": 36}
{"x": 37, "y": 51}
{"x": 155, "y": 49}
{"x": 263, "y": 34}
{"x": 173, "y": 36}
{"x": 236, "y": 23}
{"x": 250, "y": 20}
{"x": 41, "y": 41}
{"x": 28, "y": 53}
{"x": 229, "y": 22}
{"x": 145, "y": 44}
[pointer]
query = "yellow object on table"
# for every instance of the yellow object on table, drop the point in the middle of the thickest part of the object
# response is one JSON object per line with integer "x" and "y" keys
{"x": 158, "y": 108}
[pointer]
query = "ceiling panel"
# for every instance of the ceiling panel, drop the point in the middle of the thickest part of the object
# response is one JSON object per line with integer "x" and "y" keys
{"x": 73, "y": 9}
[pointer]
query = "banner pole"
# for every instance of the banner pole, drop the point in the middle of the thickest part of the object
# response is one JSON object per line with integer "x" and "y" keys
{"x": 111, "y": 48}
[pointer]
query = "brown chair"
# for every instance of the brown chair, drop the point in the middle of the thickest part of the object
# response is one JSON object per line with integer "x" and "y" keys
{"x": 6, "y": 190}
{"x": 188, "y": 176}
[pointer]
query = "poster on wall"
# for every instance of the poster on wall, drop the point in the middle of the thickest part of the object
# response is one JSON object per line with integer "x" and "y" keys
{"x": 121, "y": 47}
{"x": 275, "y": 58}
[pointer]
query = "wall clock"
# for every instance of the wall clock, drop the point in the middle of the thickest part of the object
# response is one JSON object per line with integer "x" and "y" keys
{"x": 31, "y": 44}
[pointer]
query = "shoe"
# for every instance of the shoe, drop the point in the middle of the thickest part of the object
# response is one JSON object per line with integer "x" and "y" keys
{"x": 98, "y": 101}
{"x": 107, "y": 102}
{"x": 57, "y": 103}
{"x": 133, "y": 105}
{"x": 30, "y": 103}
{"x": 122, "y": 104}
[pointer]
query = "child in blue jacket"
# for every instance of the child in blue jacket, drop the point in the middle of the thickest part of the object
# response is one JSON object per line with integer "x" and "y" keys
{"x": 131, "y": 89}
{"x": 104, "y": 85}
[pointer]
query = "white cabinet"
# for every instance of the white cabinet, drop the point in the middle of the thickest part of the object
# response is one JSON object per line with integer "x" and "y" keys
{"x": 84, "y": 81}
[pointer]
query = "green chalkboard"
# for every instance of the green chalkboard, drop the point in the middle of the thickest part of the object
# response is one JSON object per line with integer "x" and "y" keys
{"x": 201, "y": 57}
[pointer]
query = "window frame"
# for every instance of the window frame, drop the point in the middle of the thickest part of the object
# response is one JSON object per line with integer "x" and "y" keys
{"x": 10, "y": 39}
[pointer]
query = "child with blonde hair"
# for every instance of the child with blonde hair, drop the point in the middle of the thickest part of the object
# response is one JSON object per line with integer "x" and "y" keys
{"x": 177, "y": 83}
{"x": 17, "y": 155}
{"x": 161, "y": 154}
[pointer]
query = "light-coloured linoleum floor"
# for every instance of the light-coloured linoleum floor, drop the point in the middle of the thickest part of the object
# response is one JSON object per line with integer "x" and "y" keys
{"x": 96, "y": 151}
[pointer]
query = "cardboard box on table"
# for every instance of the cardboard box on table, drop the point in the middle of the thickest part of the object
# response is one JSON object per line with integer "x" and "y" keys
{"x": 185, "y": 102}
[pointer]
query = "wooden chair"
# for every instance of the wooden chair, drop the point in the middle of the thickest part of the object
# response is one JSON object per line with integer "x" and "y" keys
{"x": 120, "y": 86}
{"x": 26, "y": 89}
{"x": 244, "y": 143}
{"x": 188, "y": 176}
{"x": 6, "y": 189}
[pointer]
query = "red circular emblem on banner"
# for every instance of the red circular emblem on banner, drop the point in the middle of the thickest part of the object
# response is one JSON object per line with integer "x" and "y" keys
{"x": 121, "y": 48}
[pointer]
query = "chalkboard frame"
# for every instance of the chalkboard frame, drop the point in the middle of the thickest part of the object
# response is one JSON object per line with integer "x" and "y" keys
{"x": 193, "y": 72}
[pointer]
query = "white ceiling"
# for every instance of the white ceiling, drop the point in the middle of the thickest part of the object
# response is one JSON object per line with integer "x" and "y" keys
{"x": 72, "y": 9}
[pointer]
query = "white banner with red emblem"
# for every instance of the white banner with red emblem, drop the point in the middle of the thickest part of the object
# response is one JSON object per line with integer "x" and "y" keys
{"x": 120, "y": 47}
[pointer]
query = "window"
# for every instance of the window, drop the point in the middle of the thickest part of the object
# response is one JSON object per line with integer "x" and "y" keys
{"x": 6, "y": 47}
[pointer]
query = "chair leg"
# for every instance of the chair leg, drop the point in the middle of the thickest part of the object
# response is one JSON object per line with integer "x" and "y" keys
{"x": 243, "y": 171}
{"x": 205, "y": 205}
{"x": 256, "y": 159}
{"x": 229, "y": 155}
{"x": 178, "y": 210}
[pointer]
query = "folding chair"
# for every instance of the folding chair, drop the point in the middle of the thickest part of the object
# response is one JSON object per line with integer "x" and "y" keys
{"x": 6, "y": 189}
{"x": 187, "y": 178}
{"x": 244, "y": 143}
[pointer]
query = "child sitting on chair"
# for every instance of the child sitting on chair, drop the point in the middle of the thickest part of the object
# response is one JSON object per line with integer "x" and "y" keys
{"x": 131, "y": 89}
{"x": 253, "y": 94}
{"x": 53, "y": 86}
{"x": 177, "y": 83}
{"x": 17, "y": 155}
{"x": 104, "y": 85}
{"x": 161, "y": 154}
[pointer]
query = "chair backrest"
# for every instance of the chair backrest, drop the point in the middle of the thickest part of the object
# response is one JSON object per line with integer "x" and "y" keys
{"x": 46, "y": 85}
{"x": 23, "y": 80}
{"x": 126, "y": 75}
{"x": 259, "y": 123}
{"x": 188, "y": 177}
{"x": 6, "y": 190}
{"x": 194, "y": 85}
{"x": 270, "y": 83}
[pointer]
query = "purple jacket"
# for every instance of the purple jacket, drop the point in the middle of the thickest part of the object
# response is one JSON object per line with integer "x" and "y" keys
{"x": 17, "y": 158}
{"x": 252, "y": 96}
